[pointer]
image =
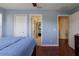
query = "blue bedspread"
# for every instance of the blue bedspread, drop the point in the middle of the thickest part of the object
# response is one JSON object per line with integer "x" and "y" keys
{"x": 23, "y": 47}
{"x": 7, "y": 41}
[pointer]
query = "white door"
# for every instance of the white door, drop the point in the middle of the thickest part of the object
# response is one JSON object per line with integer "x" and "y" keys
{"x": 20, "y": 25}
{"x": 0, "y": 25}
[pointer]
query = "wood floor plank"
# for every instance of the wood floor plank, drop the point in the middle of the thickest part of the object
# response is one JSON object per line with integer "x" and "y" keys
{"x": 62, "y": 50}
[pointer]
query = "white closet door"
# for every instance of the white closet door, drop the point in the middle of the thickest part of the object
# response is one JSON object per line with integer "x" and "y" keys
{"x": 20, "y": 25}
{"x": 73, "y": 28}
{"x": 0, "y": 25}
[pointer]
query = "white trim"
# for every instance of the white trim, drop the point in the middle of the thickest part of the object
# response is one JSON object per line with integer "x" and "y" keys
{"x": 30, "y": 15}
{"x": 50, "y": 45}
{"x": 14, "y": 21}
{"x": 58, "y": 26}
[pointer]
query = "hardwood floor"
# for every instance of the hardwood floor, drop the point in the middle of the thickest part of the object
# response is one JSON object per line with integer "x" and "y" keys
{"x": 46, "y": 51}
{"x": 62, "y": 50}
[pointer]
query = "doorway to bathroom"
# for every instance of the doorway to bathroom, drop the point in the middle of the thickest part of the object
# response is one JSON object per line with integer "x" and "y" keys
{"x": 36, "y": 21}
{"x": 63, "y": 33}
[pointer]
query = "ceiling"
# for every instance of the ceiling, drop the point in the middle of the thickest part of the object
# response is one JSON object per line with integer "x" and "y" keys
{"x": 46, "y": 6}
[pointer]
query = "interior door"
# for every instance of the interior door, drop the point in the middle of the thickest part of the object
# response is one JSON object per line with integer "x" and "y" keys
{"x": 0, "y": 25}
{"x": 20, "y": 25}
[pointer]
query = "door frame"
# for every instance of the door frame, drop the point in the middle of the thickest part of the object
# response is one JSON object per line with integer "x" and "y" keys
{"x": 14, "y": 23}
{"x": 58, "y": 26}
{"x": 30, "y": 15}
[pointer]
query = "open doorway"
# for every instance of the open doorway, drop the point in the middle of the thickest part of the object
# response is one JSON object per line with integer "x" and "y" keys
{"x": 63, "y": 24}
{"x": 36, "y": 28}
{"x": 63, "y": 27}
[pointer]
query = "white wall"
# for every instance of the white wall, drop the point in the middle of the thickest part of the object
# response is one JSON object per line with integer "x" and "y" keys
{"x": 73, "y": 28}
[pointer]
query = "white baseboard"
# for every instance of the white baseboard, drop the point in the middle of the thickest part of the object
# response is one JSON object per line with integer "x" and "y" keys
{"x": 50, "y": 45}
{"x": 71, "y": 46}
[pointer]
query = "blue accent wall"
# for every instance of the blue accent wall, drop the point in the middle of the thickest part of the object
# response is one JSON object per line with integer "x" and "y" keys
{"x": 49, "y": 30}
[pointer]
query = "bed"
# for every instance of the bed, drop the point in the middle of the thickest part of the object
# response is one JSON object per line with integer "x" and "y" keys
{"x": 17, "y": 46}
